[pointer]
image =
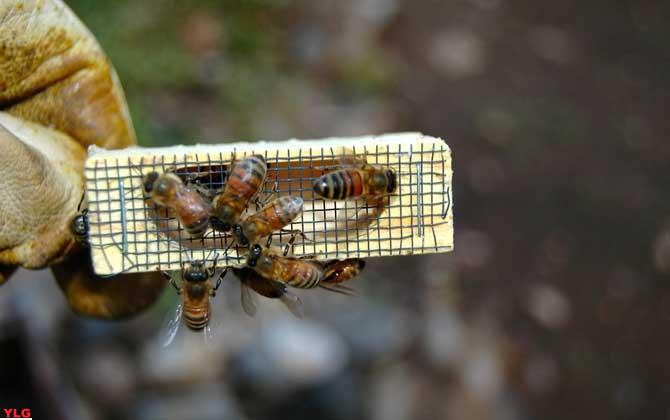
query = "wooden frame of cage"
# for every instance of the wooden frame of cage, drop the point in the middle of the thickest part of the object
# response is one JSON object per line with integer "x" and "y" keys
{"x": 129, "y": 234}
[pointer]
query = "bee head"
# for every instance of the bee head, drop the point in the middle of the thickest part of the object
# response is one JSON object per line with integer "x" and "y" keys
{"x": 79, "y": 225}
{"x": 239, "y": 235}
{"x": 254, "y": 254}
{"x": 148, "y": 182}
{"x": 196, "y": 272}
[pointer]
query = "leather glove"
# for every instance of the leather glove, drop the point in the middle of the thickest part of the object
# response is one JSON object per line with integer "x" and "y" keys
{"x": 58, "y": 95}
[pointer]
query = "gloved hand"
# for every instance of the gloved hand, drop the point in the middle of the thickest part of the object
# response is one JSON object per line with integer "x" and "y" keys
{"x": 58, "y": 95}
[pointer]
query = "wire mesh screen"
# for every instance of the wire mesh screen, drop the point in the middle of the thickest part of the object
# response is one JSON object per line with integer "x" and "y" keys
{"x": 129, "y": 233}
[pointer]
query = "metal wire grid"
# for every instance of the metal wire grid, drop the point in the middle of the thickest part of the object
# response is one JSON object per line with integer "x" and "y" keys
{"x": 130, "y": 234}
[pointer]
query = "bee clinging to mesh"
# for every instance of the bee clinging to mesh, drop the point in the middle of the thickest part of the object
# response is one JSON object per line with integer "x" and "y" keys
{"x": 79, "y": 225}
{"x": 271, "y": 263}
{"x": 250, "y": 282}
{"x": 196, "y": 290}
{"x": 356, "y": 179}
{"x": 274, "y": 216}
{"x": 169, "y": 191}
{"x": 243, "y": 183}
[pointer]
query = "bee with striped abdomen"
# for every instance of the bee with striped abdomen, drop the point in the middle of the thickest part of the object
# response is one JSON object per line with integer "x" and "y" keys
{"x": 169, "y": 191}
{"x": 196, "y": 291}
{"x": 356, "y": 179}
{"x": 270, "y": 263}
{"x": 274, "y": 216}
{"x": 252, "y": 281}
{"x": 243, "y": 183}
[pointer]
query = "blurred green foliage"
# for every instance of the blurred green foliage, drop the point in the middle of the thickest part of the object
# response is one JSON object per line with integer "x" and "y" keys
{"x": 148, "y": 44}
{"x": 218, "y": 70}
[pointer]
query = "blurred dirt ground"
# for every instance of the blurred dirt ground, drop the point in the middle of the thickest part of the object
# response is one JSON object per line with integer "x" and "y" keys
{"x": 556, "y": 302}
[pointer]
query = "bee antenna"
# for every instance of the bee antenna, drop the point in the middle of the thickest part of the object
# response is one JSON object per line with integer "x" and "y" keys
{"x": 210, "y": 254}
{"x": 137, "y": 168}
{"x": 81, "y": 200}
{"x": 225, "y": 251}
{"x": 189, "y": 257}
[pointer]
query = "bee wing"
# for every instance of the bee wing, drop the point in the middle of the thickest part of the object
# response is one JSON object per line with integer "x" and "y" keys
{"x": 248, "y": 299}
{"x": 171, "y": 325}
{"x": 208, "y": 334}
{"x": 349, "y": 158}
{"x": 338, "y": 288}
{"x": 292, "y": 303}
{"x": 213, "y": 329}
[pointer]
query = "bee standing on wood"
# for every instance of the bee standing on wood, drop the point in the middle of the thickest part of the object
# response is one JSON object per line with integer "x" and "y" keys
{"x": 243, "y": 183}
{"x": 252, "y": 281}
{"x": 169, "y": 191}
{"x": 276, "y": 215}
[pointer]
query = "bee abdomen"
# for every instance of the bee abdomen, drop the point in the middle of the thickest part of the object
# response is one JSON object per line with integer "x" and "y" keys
{"x": 306, "y": 278}
{"x": 340, "y": 185}
{"x": 199, "y": 227}
{"x": 196, "y": 318}
{"x": 288, "y": 208}
{"x": 248, "y": 175}
{"x": 342, "y": 271}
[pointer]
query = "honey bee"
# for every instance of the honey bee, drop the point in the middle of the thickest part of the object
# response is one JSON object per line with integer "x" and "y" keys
{"x": 357, "y": 179}
{"x": 250, "y": 280}
{"x": 169, "y": 191}
{"x": 196, "y": 291}
{"x": 243, "y": 183}
{"x": 79, "y": 225}
{"x": 270, "y": 263}
{"x": 338, "y": 272}
{"x": 279, "y": 213}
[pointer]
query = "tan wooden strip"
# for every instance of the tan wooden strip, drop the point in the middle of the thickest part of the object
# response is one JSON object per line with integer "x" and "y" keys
{"x": 128, "y": 235}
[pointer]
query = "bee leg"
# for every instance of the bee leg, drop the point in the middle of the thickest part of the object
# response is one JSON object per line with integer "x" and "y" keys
{"x": 289, "y": 244}
{"x": 260, "y": 203}
{"x": 291, "y": 241}
{"x": 204, "y": 191}
{"x": 169, "y": 278}
{"x": 297, "y": 232}
{"x": 218, "y": 282}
